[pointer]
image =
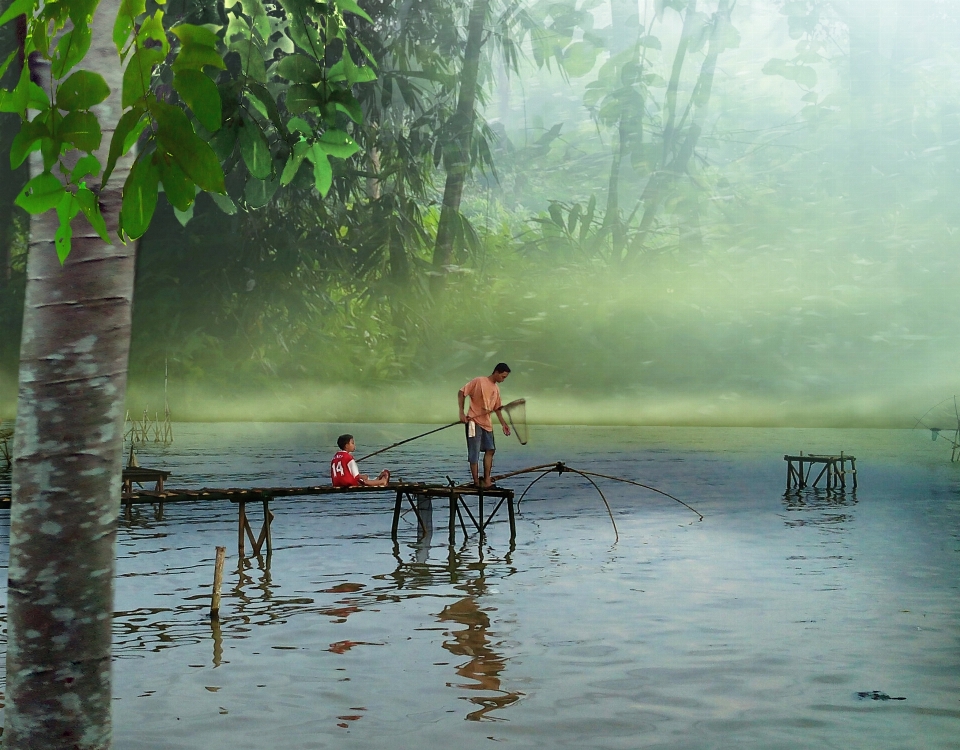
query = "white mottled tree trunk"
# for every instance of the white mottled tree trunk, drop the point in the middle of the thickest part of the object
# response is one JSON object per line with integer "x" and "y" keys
{"x": 67, "y": 465}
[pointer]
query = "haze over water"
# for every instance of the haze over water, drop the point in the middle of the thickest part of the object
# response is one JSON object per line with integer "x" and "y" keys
{"x": 757, "y": 627}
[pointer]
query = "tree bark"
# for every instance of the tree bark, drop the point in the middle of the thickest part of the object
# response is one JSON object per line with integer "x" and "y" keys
{"x": 67, "y": 465}
{"x": 457, "y": 155}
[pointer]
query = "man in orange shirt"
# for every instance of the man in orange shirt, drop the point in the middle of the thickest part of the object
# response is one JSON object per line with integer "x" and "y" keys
{"x": 484, "y": 395}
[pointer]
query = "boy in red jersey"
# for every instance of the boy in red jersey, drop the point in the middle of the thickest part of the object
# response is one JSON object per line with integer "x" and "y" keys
{"x": 344, "y": 471}
{"x": 484, "y": 395}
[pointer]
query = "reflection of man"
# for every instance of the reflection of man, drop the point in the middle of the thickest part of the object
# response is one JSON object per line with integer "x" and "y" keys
{"x": 484, "y": 665}
{"x": 484, "y": 395}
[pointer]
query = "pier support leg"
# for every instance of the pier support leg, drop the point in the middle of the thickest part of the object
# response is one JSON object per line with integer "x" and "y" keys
{"x": 242, "y": 522}
{"x": 513, "y": 522}
{"x": 396, "y": 514}
{"x": 453, "y": 518}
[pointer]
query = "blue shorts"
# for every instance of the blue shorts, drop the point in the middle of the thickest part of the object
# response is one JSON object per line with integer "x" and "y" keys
{"x": 482, "y": 441}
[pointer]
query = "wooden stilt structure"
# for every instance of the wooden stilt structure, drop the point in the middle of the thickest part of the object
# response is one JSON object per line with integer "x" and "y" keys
{"x": 833, "y": 469}
{"x": 260, "y": 539}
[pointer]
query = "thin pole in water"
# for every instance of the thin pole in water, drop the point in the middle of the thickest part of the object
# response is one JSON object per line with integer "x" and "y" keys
{"x": 217, "y": 581}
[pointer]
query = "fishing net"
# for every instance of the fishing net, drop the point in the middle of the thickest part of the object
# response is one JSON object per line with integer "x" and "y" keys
{"x": 516, "y": 412}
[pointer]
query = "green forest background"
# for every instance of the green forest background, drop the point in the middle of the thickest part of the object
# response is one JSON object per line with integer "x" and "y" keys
{"x": 675, "y": 212}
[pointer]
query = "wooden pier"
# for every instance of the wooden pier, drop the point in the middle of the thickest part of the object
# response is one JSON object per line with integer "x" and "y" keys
{"x": 834, "y": 470}
{"x": 479, "y": 516}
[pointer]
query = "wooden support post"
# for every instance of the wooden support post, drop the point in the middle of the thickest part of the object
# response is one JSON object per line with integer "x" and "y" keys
{"x": 396, "y": 514}
{"x": 510, "y": 513}
{"x": 853, "y": 468}
{"x": 480, "y": 524}
{"x": 267, "y": 522}
{"x": 453, "y": 517}
{"x": 217, "y": 582}
{"x": 242, "y": 522}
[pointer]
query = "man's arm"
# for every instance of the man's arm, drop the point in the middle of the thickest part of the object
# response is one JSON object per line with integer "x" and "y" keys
{"x": 461, "y": 398}
{"x": 506, "y": 427}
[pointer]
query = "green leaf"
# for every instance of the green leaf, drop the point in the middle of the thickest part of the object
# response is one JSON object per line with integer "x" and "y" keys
{"x": 41, "y": 194}
{"x": 350, "y": 6}
{"x": 224, "y": 203}
{"x": 6, "y": 63}
{"x": 255, "y": 150}
{"x": 579, "y": 58}
{"x": 184, "y": 217}
{"x": 82, "y": 129}
{"x": 300, "y": 149}
{"x": 201, "y": 95}
{"x": 91, "y": 209}
{"x": 136, "y": 76}
{"x": 347, "y": 103}
{"x": 191, "y": 34}
{"x": 37, "y": 97}
{"x": 179, "y": 188}
{"x": 301, "y": 97}
{"x": 17, "y": 99}
{"x": 139, "y": 196}
{"x": 67, "y": 208}
{"x": 70, "y": 50}
{"x": 82, "y": 90}
{"x": 194, "y": 155}
{"x": 18, "y": 8}
{"x": 128, "y": 130}
{"x": 27, "y": 140}
{"x": 322, "y": 172}
{"x": 196, "y": 57}
{"x": 299, "y": 69}
{"x": 262, "y": 94}
{"x": 126, "y": 16}
{"x": 258, "y": 193}
{"x": 299, "y": 125}
{"x": 152, "y": 29}
{"x": 337, "y": 143}
{"x": 251, "y": 59}
{"x": 87, "y": 165}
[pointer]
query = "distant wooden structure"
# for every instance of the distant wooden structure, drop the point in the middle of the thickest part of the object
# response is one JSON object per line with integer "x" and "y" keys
{"x": 6, "y": 452}
{"x": 406, "y": 492}
{"x": 832, "y": 468}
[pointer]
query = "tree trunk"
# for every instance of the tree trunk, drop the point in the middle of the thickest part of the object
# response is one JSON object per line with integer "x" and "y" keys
{"x": 660, "y": 182}
{"x": 67, "y": 465}
{"x": 457, "y": 154}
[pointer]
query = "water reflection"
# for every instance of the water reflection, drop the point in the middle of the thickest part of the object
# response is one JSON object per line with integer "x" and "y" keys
{"x": 484, "y": 664}
{"x": 826, "y": 509}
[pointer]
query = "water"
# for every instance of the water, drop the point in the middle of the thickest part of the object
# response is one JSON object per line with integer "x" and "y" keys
{"x": 756, "y": 628}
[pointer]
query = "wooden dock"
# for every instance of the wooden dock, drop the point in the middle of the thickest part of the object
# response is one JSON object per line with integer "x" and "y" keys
{"x": 834, "y": 470}
{"x": 405, "y": 492}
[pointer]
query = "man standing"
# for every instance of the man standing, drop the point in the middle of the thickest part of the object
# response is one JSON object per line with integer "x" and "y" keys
{"x": 484, "y": 395}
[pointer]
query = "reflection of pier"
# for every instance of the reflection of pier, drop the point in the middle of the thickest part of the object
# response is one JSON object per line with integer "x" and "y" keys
{"x": 833, "y": 469}
{"x": 412, "y": 493}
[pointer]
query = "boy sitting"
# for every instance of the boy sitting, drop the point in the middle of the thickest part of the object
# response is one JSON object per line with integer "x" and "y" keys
{"x": 344, "y": 470}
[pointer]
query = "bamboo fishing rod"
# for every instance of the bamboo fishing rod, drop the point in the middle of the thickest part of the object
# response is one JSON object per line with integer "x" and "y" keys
{"x": 516, "y": 402}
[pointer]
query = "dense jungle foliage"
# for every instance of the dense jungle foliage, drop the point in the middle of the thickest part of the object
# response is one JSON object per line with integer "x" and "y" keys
{"x": 682, "y": 195}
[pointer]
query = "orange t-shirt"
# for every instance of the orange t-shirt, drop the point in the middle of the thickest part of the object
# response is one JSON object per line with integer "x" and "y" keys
{"x": 484, "y": 399}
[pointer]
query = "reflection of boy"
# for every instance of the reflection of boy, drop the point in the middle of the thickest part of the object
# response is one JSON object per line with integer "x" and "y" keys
{"x": 344, "y": 471}
{"x": 484, "y": 395}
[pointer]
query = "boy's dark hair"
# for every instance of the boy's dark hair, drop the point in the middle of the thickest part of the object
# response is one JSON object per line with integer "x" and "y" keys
{"x": 343, "y": 440}
{"x": 502, "y": 367}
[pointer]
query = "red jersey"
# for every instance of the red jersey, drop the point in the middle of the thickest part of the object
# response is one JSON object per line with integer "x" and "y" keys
{"x": 344, "y": 470}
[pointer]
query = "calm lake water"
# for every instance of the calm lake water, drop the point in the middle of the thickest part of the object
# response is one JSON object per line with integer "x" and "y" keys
{"x": 758, "y": 627}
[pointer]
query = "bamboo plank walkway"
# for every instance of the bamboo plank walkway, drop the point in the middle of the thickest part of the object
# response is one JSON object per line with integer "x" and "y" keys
{"x": 409, "y": 492}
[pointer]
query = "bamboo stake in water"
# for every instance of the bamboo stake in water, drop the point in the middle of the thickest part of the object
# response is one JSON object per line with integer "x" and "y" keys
{"x": 217, "y": 581}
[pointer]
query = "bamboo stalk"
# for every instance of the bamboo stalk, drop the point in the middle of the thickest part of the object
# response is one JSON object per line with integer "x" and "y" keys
{"x": 217, "y": 581}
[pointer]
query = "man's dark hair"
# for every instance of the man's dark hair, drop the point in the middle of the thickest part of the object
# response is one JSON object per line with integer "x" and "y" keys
{"x": 502, "y": 367}
{"x": 343, "y": 440}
